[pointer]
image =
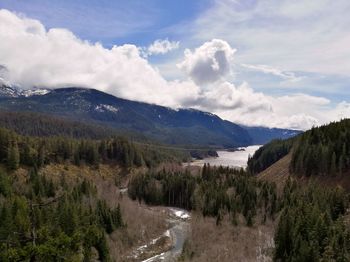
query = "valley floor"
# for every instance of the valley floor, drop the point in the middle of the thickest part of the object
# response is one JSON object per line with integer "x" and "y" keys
{"x": 144, "y": 224}
{"x": 209, "y": 242}
{"x": 151, "y": 232}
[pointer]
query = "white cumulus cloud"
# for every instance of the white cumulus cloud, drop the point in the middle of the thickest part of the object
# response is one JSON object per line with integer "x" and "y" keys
{"x": 32, "y": 56}
{"x": 209, "y": 62}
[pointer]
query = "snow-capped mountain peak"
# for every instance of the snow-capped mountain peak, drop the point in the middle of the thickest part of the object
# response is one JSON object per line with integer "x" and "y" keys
{"x": 7, "y": 90}
{"x": 35, "y": 92}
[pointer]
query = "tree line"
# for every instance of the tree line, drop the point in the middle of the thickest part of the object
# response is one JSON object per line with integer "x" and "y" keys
{"x": 268, "y": 154}
{"x": 312, "y": 226}
{"x": 16, "y": 150}
{"x": 322, "y": 150}
{"x": 45, "y": 221}
{"x": 36, "y": 124}
{"x": 216, "y": 192}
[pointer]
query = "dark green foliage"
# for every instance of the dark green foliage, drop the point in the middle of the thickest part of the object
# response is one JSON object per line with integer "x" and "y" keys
{"x": 18, "y": 150}
{"x": 44, "y": 221}
{"x": 40, "y": 186}
{"x": 35, "y": 124}
{"x": 13, "y": 157}
{"x": 269, "y": 154}
{"x": 218, "y": 191}
{"x": 5, "y": 185}
{"x": 163, "y": 188}
{"x": 109, "y": 219}
{"x": 311, "y": 226}
{"x": 323, "y": 151}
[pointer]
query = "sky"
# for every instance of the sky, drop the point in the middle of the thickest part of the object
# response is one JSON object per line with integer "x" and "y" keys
{"x": 273, "y": 63}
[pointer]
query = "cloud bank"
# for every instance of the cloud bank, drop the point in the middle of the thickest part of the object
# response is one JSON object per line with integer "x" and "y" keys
{"x": 36, "y": 57}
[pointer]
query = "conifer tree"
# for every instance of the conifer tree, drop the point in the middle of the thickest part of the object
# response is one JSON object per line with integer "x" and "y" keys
{"x": 333, "y": 167}
{"x": 13, "y": 157}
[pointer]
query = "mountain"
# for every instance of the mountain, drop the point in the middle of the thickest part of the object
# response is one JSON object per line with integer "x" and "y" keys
{"x": 163, "y": 124}
{"x": 41, "y": 125}
{"x": 13, "y": 91}
{"x": 8, "y": 91}
{"x": 263, "y": 135}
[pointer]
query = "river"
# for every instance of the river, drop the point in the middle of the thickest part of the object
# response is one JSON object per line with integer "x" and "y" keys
{"x": 178, "y": 219}
{"x": 237, "y": 158}
{"x": 179, "y": 226}
{"x": 178, "y": 231}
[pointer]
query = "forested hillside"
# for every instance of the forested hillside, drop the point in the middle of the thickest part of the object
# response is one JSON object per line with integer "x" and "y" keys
{"x": 312, "y": 225}
{"x": 16, "y": 150}
{"x": 41, "y": 125}
{"x": 34, "y": 124}
{"x": 322, "y": 150}
{"x": 157, "y": 123}
{"x": 49, "y": 218}
{"x": 46, "y": 217}
{"x": 163, "y": 124}
{"x": 269, "y": 154}
{"x": 40, "y": 214}
{"x": 46, "y": 221}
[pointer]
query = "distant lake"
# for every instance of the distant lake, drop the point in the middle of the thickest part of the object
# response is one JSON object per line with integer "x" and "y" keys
{"x": 232, "y": 159}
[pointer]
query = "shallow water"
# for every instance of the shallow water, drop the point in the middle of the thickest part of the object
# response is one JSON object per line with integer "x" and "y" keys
{"x": 178, "y": 231}
{"x": 232, "y": 159}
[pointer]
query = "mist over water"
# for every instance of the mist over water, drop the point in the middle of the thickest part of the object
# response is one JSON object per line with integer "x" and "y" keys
{"x": 232, "y": 159}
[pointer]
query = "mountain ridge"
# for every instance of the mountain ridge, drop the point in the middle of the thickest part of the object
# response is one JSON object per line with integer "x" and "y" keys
{"x": 167, "y": 125}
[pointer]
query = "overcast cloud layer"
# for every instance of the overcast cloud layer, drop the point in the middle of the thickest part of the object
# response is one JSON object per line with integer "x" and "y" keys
{"x": 36, "y": 57}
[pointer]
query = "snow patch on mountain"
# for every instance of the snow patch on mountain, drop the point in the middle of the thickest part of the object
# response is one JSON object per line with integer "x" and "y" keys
{"x": 103, "y": 108}
{"x": 35, "y": 92}
{"x": 8, "y": 90}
